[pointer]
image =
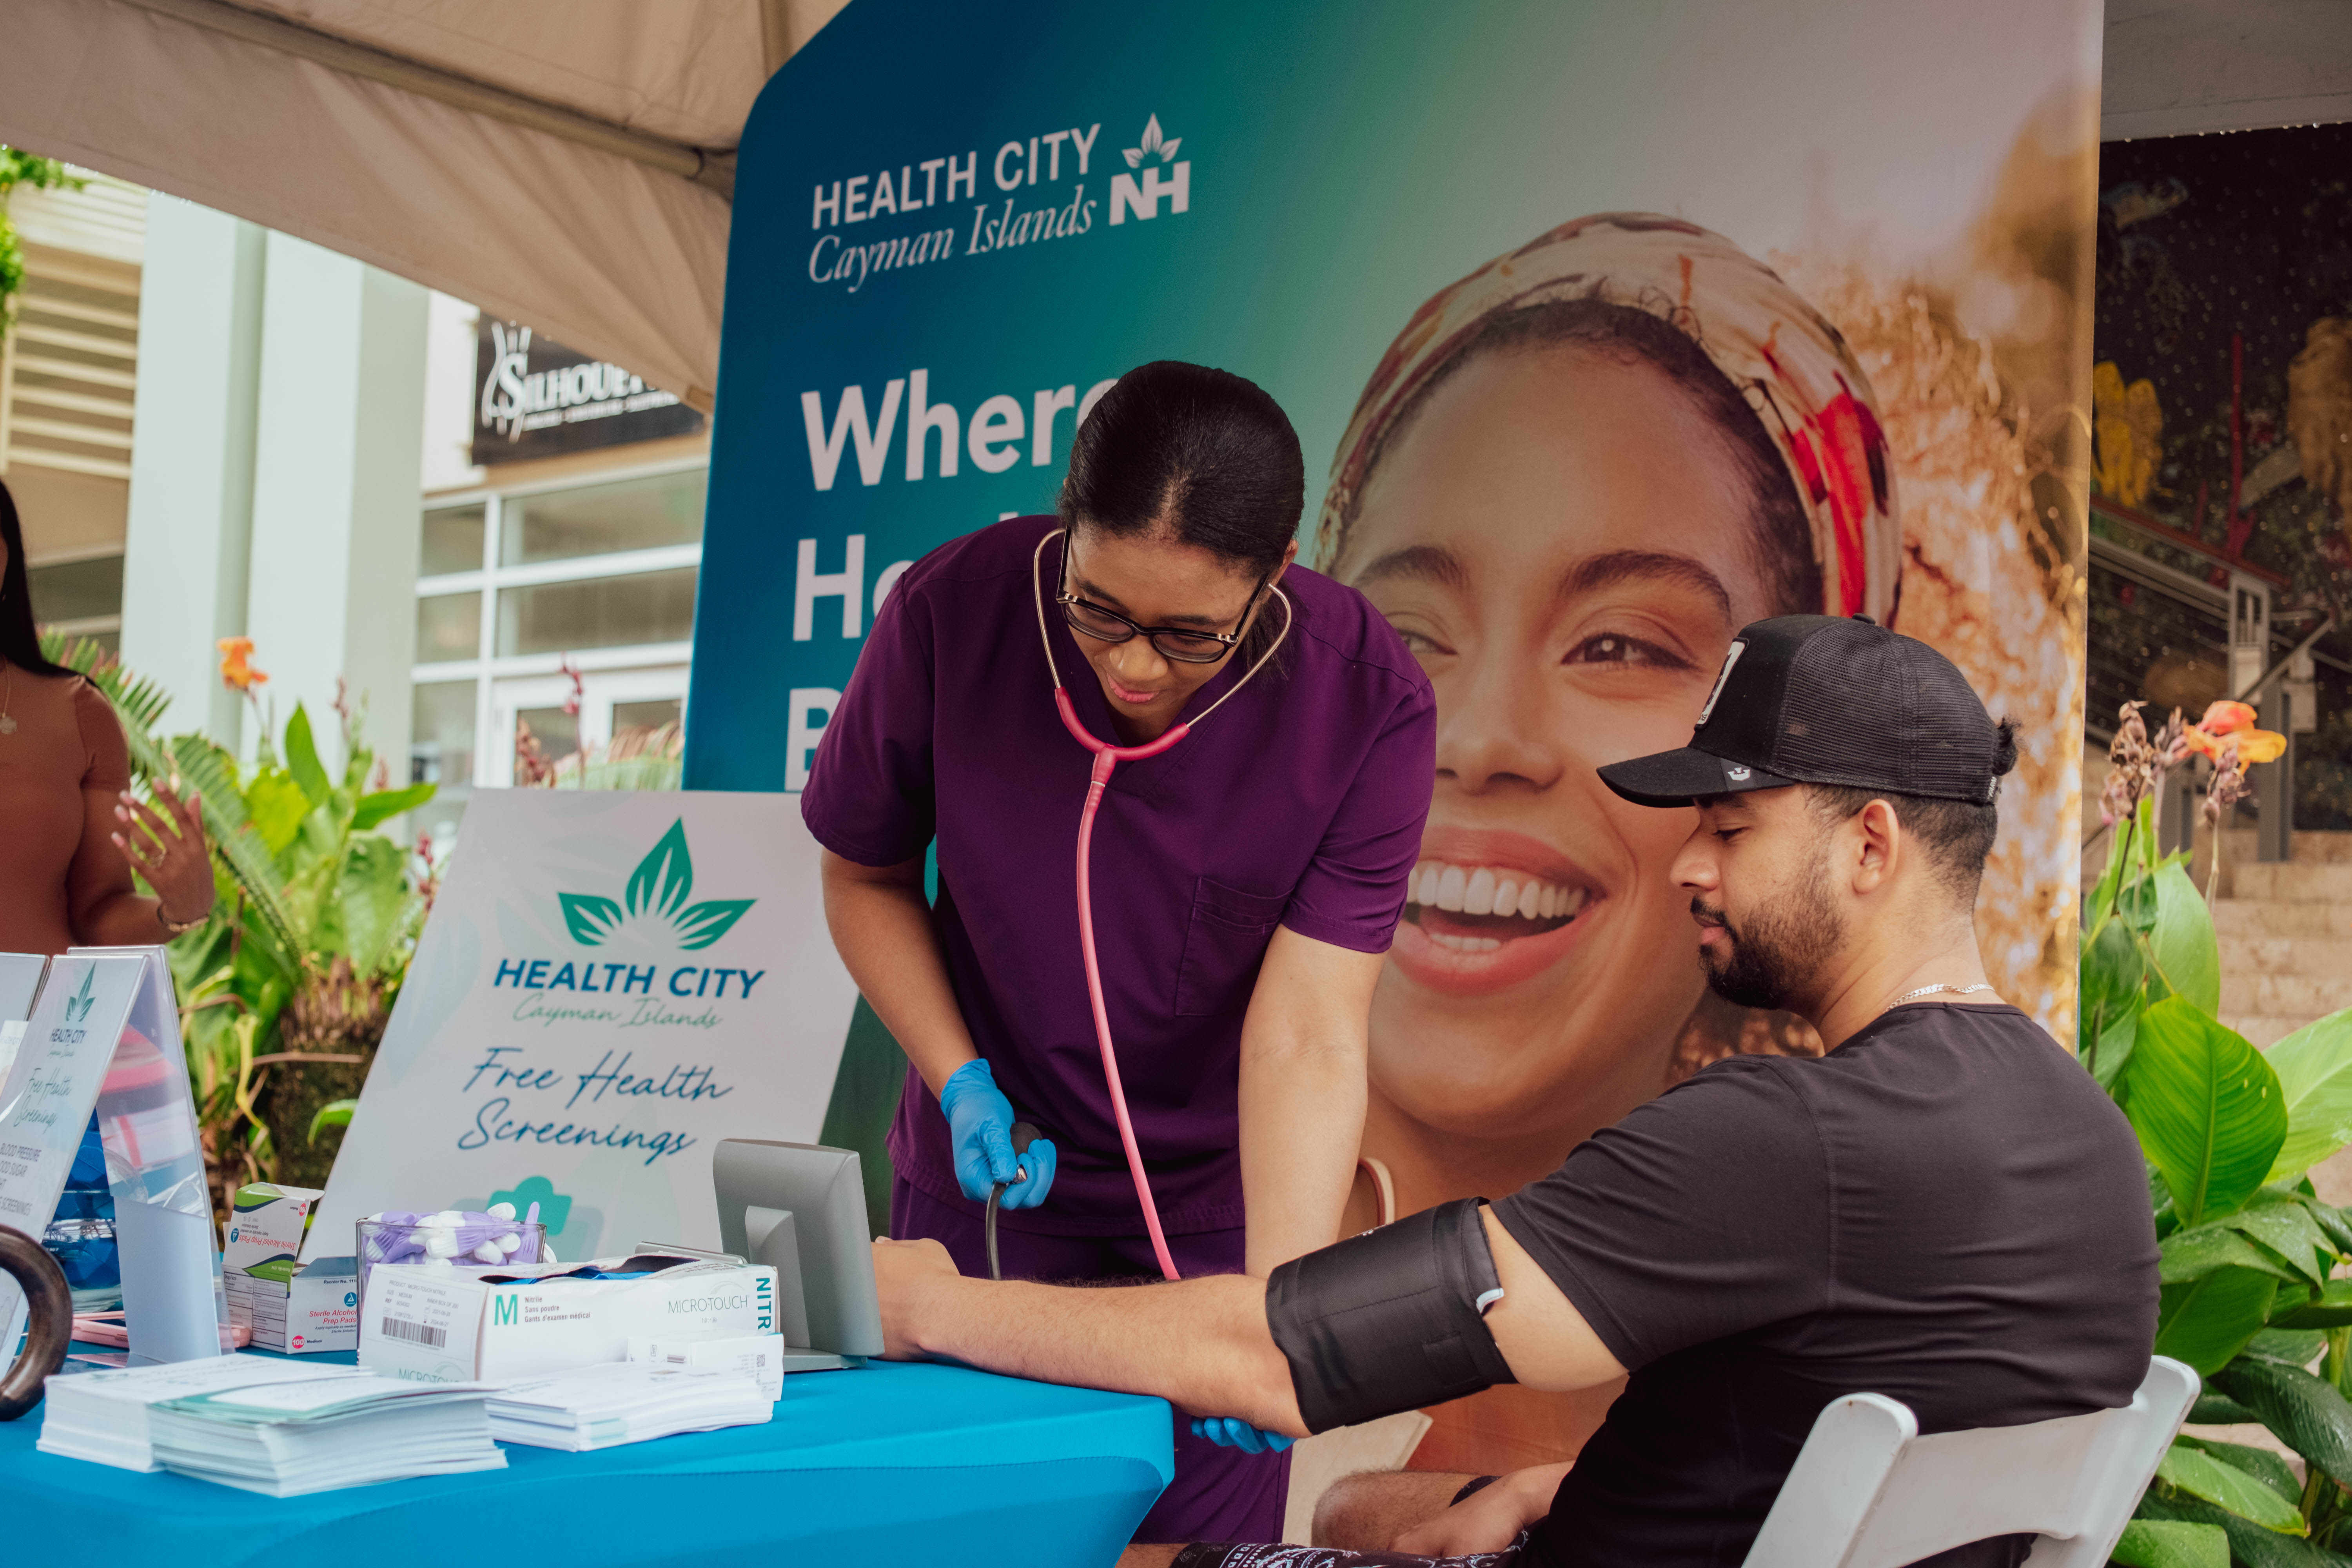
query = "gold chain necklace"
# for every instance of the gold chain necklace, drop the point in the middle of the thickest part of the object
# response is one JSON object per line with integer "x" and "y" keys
{"x": 1940, "y": 985}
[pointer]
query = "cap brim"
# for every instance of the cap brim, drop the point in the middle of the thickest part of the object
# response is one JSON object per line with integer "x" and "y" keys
{"x": 1680, "y": 777}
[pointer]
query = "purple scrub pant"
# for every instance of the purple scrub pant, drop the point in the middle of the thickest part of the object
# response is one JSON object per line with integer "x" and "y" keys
{"x": 1219, "y": 1494}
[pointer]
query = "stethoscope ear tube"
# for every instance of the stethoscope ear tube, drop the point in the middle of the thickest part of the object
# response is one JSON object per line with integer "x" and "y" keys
{"x": 1023, "y": 1134}
{"x": 50, "y": 1300}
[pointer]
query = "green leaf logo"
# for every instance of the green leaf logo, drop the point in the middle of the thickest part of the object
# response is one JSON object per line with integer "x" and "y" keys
{"x": 657, "y": 895}
{"x": 79, "y": 1004}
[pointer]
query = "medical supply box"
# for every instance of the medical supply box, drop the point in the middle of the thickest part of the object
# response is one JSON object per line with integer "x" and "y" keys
{"x": 266, "y": 1221}
{"x": 445, "y": 1325}
{"x": 289, "y": 1307}
{"x": 297, "y": 1309}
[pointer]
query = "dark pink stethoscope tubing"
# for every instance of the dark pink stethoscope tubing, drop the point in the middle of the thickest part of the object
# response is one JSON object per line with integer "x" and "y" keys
{"x": 1107, "y": 760}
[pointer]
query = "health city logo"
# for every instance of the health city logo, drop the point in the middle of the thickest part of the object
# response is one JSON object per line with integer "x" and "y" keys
{"x": 1039, "y": 163}
{"x": 654, "y": 910}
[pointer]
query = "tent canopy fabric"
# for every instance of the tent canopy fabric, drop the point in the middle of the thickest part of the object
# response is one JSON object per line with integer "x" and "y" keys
{"x": 569, "y": 164}
{"x": 564, "y": 162}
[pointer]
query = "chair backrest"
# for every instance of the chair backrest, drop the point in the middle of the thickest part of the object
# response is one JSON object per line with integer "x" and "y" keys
{"x": 1869, "y": 1492}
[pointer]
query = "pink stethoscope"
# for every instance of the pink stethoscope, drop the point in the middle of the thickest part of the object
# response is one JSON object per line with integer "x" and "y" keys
{"x": 1106, "y": 759}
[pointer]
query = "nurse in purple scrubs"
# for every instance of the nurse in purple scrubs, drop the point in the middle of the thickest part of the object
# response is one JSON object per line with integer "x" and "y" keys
{"x": 1244, "y": 883}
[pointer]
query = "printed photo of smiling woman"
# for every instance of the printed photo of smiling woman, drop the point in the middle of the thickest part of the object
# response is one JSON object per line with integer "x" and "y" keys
{"x": 1571, "y": 478}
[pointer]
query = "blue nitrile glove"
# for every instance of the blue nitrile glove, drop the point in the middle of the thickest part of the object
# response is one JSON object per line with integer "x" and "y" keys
{"x": 1233, "y": 1432}
{"x": 980, "y": 1130}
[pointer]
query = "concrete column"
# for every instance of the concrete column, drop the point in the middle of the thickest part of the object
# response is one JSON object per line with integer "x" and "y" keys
{"x": 338, "y": 470}
{"x": 188, "y": 554}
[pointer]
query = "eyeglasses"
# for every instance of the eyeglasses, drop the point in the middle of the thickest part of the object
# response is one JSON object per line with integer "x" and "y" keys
{"x": 1109, "y": 626}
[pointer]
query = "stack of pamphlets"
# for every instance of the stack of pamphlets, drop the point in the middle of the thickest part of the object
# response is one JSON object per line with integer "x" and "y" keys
{"x": 624, "y": 1402}
{"x": 102, "y": 1417}
{"x": 283, "y": 1427}
{"x": 289, "y": 1439}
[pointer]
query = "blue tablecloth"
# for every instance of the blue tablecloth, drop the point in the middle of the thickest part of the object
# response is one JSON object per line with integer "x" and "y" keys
{"x": 897, "y": 1463}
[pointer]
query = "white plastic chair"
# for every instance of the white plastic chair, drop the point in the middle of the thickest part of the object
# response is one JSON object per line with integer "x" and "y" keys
{"x": 1868, "y": 1491}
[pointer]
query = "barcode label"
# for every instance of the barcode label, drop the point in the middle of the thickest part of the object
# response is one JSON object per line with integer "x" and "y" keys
{"x": 415, "y": 1333}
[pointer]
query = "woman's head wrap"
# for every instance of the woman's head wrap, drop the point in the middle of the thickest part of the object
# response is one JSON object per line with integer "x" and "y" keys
{"x": 1790, "y": 365}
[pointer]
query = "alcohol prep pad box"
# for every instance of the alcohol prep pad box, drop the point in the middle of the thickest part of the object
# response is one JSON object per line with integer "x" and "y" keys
{"x": 268, "y": 1221}
{"x": 761, "y": 1355}
{"x": 297, "y": 1309}
{"x": 445, "y": 1325}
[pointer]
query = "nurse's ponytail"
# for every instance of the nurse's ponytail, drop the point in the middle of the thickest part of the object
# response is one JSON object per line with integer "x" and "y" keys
{"x": 1195, "y": 452}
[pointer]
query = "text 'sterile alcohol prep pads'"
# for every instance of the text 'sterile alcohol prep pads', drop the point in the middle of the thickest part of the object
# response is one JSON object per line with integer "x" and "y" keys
{"x": 442, "y": 1325}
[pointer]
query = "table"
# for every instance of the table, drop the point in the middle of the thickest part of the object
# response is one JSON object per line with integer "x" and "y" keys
{"x": 896, "y": 1463}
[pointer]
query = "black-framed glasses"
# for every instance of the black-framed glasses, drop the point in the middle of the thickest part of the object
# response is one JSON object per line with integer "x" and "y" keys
{"x": 1183, "y": 645}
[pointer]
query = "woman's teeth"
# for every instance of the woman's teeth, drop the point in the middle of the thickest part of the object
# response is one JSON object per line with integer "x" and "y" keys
{"x": 1490, "y": 891}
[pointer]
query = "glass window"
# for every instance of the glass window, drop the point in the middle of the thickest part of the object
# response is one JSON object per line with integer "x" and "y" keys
{"x": 634, "y": 514}
{"x": 647, "y": 715}
{"x": 441, "y": 751}
{"x": 77, "y": 590}
{"x": 603, "y": 611}
{"x": 557, "y": 732}
{"x": 448, "y": 625}
{"x": 452, "y": 542}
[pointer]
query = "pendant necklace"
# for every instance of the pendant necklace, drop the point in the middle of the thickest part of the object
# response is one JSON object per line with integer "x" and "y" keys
{"x": 1927, "y": 990}
{"x": 7, "y": 692}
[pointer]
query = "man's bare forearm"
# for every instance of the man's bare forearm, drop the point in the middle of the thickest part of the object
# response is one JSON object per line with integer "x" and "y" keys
{"x": 1200, "y": 1344}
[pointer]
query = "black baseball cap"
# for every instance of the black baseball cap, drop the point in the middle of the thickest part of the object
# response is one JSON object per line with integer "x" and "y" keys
{"x": 1820, "y": 700}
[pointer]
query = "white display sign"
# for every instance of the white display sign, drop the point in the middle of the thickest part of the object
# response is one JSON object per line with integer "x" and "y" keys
{"x": 20, "y": 982}
{"x": 50, "y": 1093}
{"x": 610, "y": 983}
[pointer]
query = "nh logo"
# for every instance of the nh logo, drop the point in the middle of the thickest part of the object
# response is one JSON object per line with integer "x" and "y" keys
{"x": 1143, "y": 200}
{"x": 503, "y": 1310}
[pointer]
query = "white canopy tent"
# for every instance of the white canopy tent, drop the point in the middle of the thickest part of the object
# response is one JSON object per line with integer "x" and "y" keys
{"x": 569, "y": 163}
{"x": 564, "y": 162}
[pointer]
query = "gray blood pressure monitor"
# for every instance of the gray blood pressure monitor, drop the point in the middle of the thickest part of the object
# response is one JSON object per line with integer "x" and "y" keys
{"x": 801, "y": 1209}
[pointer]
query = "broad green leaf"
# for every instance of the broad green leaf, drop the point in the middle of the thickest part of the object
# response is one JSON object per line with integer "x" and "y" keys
{"x": 2206, "y": 1323}
{"x": 302, "y": 759}
{"x": 2181, "y": 940}
{"x": 277, "y": 805}
{"x": 385, "y": 805}
{"x": 2113, "y": 1052}
{"x": 664, "y": 880}
{"x": 2306, "y": 1412}
{"x": 2219, "y": 1410}
{"x": 2331, "y": 1308}
{"x": 375, "y": 902}
{"x": 2207, "y": 1107}
{"x": 2250, "y": 1543}
{"x": 2332, "y": 1220}
{"x": 707, "y": 921}
{"x": 2189, "y": 1255}
{"x": 2200, "y": 1474}
{"x": 590, "y": 917}
{"x": 2289, "y": 1347}
{"x": 2314, "y": 1073}
{"x": 2171, "y": 1543}
{"x": 2288, "y": 1230}
{"x": 334, "y": 1114}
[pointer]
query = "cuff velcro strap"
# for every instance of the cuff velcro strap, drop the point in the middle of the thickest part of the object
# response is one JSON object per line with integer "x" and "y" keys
{"x": 1392, "y": 1320}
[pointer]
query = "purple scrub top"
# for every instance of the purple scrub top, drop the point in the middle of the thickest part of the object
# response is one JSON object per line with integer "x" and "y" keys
{"x": 1299, "y": 803}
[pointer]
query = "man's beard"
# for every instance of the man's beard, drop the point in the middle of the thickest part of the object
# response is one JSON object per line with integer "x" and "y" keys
{"x": 1776, "y": 952}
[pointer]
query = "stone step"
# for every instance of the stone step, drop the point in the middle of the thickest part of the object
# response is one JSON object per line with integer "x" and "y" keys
{"x": 2318, "y": 958}
{"x": 2240, "y": 845}
{"x": 2262, "y": 1032}
{"x": 2299, "y": 996}
{"x": 2262, "y": 917}
{"x": 2290, "y": 882}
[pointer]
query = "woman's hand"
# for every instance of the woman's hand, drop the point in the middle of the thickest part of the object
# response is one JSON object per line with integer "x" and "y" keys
{"x": 1488, "y": 1519}
{"x": 167, "y": 848}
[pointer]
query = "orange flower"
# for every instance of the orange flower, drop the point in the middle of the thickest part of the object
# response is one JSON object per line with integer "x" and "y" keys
{"x": 2226, "y": 718}
{"x": 237, "y": 668}
{"x": 2254, "y": 746}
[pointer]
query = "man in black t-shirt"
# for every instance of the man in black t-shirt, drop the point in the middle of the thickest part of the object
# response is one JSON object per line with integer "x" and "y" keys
{"x": 1945, "y": 1209}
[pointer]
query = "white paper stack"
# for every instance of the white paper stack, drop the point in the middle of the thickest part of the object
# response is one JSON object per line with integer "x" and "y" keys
{"x": 286, "y": 1439}
{"x": 624, "y": 1402}
{"x": 103, "y": 1417}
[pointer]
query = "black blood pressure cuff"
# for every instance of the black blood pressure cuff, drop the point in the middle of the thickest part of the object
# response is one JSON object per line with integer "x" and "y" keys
{"x": 1392, "y": 1320}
